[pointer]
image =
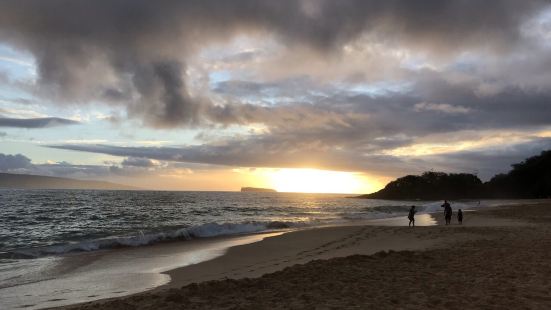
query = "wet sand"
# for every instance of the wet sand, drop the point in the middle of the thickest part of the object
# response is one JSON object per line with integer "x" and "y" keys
{"x": 83, "y": 277}
{"x": 499, "y": 258}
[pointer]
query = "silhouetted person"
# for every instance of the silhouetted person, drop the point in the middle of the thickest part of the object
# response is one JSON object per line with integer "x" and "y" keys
{"x": 411, "y": 216}
{"x": 460, "y": 216}
{"x": 447, "y": 212}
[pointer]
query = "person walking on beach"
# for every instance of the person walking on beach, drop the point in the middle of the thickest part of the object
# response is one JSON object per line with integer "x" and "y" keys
{"x": 460, "y": 216}
{"x": 447, "y": 212}
{"x": 411, "y": 216}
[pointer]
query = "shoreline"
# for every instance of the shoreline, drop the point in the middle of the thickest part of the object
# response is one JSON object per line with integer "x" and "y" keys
{"x": 112, "y": 273}
{"x": 355, "y": 238}
{"x": 149, "y": 270}
{"x": 271, "y": 257}
{"x": 259, "y": 257}
{"x": 256, "y": 259}
{"x": 157, "y": 274}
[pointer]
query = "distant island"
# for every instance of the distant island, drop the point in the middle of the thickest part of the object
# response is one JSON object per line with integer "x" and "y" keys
{"x": 530, "y": 179}
{"x": 29, "y": 181}
{"x": 258, "y": 190}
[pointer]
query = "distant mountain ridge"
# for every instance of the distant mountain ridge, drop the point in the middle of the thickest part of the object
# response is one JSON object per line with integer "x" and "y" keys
{"x": 528, "y": 179}
{"x": 30, "y": 181}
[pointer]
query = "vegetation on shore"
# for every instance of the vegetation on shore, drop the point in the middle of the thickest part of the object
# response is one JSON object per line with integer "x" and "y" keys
{"x": 528, "y": 179}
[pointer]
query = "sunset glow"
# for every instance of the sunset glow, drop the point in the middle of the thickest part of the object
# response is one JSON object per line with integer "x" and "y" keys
{"x": 318, "y": 181}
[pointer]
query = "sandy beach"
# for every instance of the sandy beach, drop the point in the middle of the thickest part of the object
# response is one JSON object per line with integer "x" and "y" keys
{"x": 498, "y": 258}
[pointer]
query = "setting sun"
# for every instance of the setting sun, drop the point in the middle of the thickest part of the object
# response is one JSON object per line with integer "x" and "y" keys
{"x": 318, "y": 181}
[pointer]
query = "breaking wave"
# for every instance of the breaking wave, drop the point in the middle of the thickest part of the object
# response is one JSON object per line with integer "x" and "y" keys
{"x": 141, "y": 239}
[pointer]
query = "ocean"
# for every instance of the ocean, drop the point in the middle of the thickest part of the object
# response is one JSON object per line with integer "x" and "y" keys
{"x": 37, "y": 223}
{"x": 56, "y": 242}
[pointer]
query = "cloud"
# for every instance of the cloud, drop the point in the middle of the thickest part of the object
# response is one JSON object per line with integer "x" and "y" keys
{"x": 487, "y": 162}
{"x": 40, "y": 122}
{"x": 486, "y": 159}
{"x": 341, "y": 85}
{"x": 13, "y": 162}
{"x": 139, "y": 162}
{"x": 440, "y": 107}
{"x": 250, "y": 154}
{"x": 144, "y": 63}
{"x": 20, "y": 163}
{"x": 65, "y": 169}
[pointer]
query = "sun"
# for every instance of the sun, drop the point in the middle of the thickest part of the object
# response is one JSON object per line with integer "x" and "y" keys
{"x": 318, "y": 181}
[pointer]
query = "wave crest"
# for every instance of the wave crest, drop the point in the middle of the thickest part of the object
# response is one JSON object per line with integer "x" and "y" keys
{"x": 141, "y": 239}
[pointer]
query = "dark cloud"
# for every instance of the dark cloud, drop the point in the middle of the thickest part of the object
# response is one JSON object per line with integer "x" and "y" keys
{"x": 65, "y": 169}
{"x": 297, "y": 154}
{"x": 13, "y": 162}
{"x": 20, "y": 163}
{"x": 362, "y": 121}
{"x": 40, "y": 122}
{"x": 466, "y": 67}
{"x": 291, "y": 90}
{"x": 241, "y": 57}
{"x": 486, "y": 161}
{"x": 142, "y": 47}
{"x": 4, "y": 78}
{"x": 138, "y": 162}
{"x": 511, "y": 107}
{"x": 491, "y": 161}
{"x": 255, "y": 154}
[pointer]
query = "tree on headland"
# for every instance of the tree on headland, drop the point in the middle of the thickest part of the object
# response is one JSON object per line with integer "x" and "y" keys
{"x": 431, "y": 186}
{"x": 528, "y": 179}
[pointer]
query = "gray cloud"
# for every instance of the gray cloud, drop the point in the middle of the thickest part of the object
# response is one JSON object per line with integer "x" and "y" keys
{"x": 338, "y": 117}
{"x": 40, "y": 122}
{"x": 138, "y": 162}
{"x": 20, "y": 163}
{"x": 142, "y": 48}
{"x": 13, "y": 162}
{"x": 265, "y": 153}
{"x": 65, "y": 169}
{"x": 489, "y": 162}
{"x": 349, "y": 131}
{"x": 255, "y": 154}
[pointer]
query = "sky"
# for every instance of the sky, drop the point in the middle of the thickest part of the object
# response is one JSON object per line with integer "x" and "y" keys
{"x": 311, "y": 95}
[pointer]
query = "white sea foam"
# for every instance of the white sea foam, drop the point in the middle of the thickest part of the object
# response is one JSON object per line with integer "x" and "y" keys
{"x": 141, "y": 239}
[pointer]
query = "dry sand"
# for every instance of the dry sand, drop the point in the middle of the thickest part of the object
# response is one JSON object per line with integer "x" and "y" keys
{"x": 499, "y": 258}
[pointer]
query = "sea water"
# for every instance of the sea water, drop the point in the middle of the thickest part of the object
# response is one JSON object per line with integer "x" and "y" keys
{"x": 53, "y": 243}
{"x": 36, "y": 223}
